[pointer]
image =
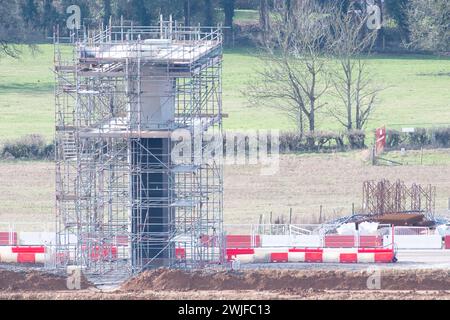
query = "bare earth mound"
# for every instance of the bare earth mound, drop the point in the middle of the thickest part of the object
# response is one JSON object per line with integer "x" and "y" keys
{"x": 246, "y": 285}
{"x": 12, "y": 281}
{"x": 287, "y": 280}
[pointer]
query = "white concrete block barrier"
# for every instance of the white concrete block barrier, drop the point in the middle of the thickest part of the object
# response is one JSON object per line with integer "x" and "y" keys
{"x": 298, "y": 241}
{"x": 433, "y": 241}
{"x": 23, "y": 255}
{"x": 325, "y": 255}
{"x": 37, "y": 238}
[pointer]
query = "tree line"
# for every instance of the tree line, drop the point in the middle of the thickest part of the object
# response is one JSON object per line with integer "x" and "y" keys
{"x": 44, "y": 14}
{"x": 421, "y": 24}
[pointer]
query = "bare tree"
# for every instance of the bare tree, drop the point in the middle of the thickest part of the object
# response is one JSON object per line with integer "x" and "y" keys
{"x": 350, "y": 44}
{"x": 294, "y": 74}
{"x": 264, "y": 16}
{"x": 229, "y": 11}
{"x": 12, "y": 29}
{"x": 187, "y": 12}
{"x": 208, "y": 13}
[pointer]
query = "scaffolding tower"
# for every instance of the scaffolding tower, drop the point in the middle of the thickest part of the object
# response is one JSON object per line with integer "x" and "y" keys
{"x": 123, "y": 204}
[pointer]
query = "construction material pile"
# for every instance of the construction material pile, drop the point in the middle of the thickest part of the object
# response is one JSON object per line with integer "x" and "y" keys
{"x": 286, "y": 280}
{"x": 395, "y": 197}
{"x": 397, "y": 204}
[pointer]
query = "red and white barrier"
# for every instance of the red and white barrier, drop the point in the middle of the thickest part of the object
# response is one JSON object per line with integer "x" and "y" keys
{"x": 22, "y": 255}
{"x": 245, "y": 248}
{"x": 277, "y": 255}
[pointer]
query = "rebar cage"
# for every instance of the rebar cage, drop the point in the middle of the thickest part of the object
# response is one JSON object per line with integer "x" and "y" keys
{"x": 381, "y": 197}
{"x": 122, "y": 204}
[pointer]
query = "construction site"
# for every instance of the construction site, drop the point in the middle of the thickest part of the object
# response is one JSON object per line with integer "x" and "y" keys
{"x": 137, "y": 214}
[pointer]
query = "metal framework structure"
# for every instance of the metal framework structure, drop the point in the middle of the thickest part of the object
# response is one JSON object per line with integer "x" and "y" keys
{"x": 386, "y": 197}
{"x": 123, "y": 204}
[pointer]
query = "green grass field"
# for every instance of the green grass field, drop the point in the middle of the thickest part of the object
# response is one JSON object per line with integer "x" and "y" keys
{"x": 241, "y": 16}
{"x": 417, "y": 94}
{"x": 26, "y": 94}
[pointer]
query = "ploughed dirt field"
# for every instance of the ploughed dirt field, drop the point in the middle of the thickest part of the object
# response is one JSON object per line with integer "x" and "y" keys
{"x": 248, "y": 284}
{"x": 302, "y": 183}
{"x": 306, "y": 182}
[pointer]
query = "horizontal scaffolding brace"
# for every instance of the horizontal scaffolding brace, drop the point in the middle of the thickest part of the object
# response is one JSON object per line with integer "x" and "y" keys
{"x": 127, "y": 134}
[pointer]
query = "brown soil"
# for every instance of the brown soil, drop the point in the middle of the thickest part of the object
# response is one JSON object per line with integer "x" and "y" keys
{"x": 231, "y": 295}
{"x": 292, "y": 281}
{"x": 245, "y": 285}
{"x": 11, "y": 281}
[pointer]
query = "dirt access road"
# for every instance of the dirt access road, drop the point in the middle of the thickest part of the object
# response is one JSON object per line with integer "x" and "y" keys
{"x": 231, "y": 295}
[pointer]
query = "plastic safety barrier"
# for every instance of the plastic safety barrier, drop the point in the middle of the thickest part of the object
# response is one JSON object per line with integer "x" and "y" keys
{"x": 319, "y": 255}
{"x": 22, "y": 255}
